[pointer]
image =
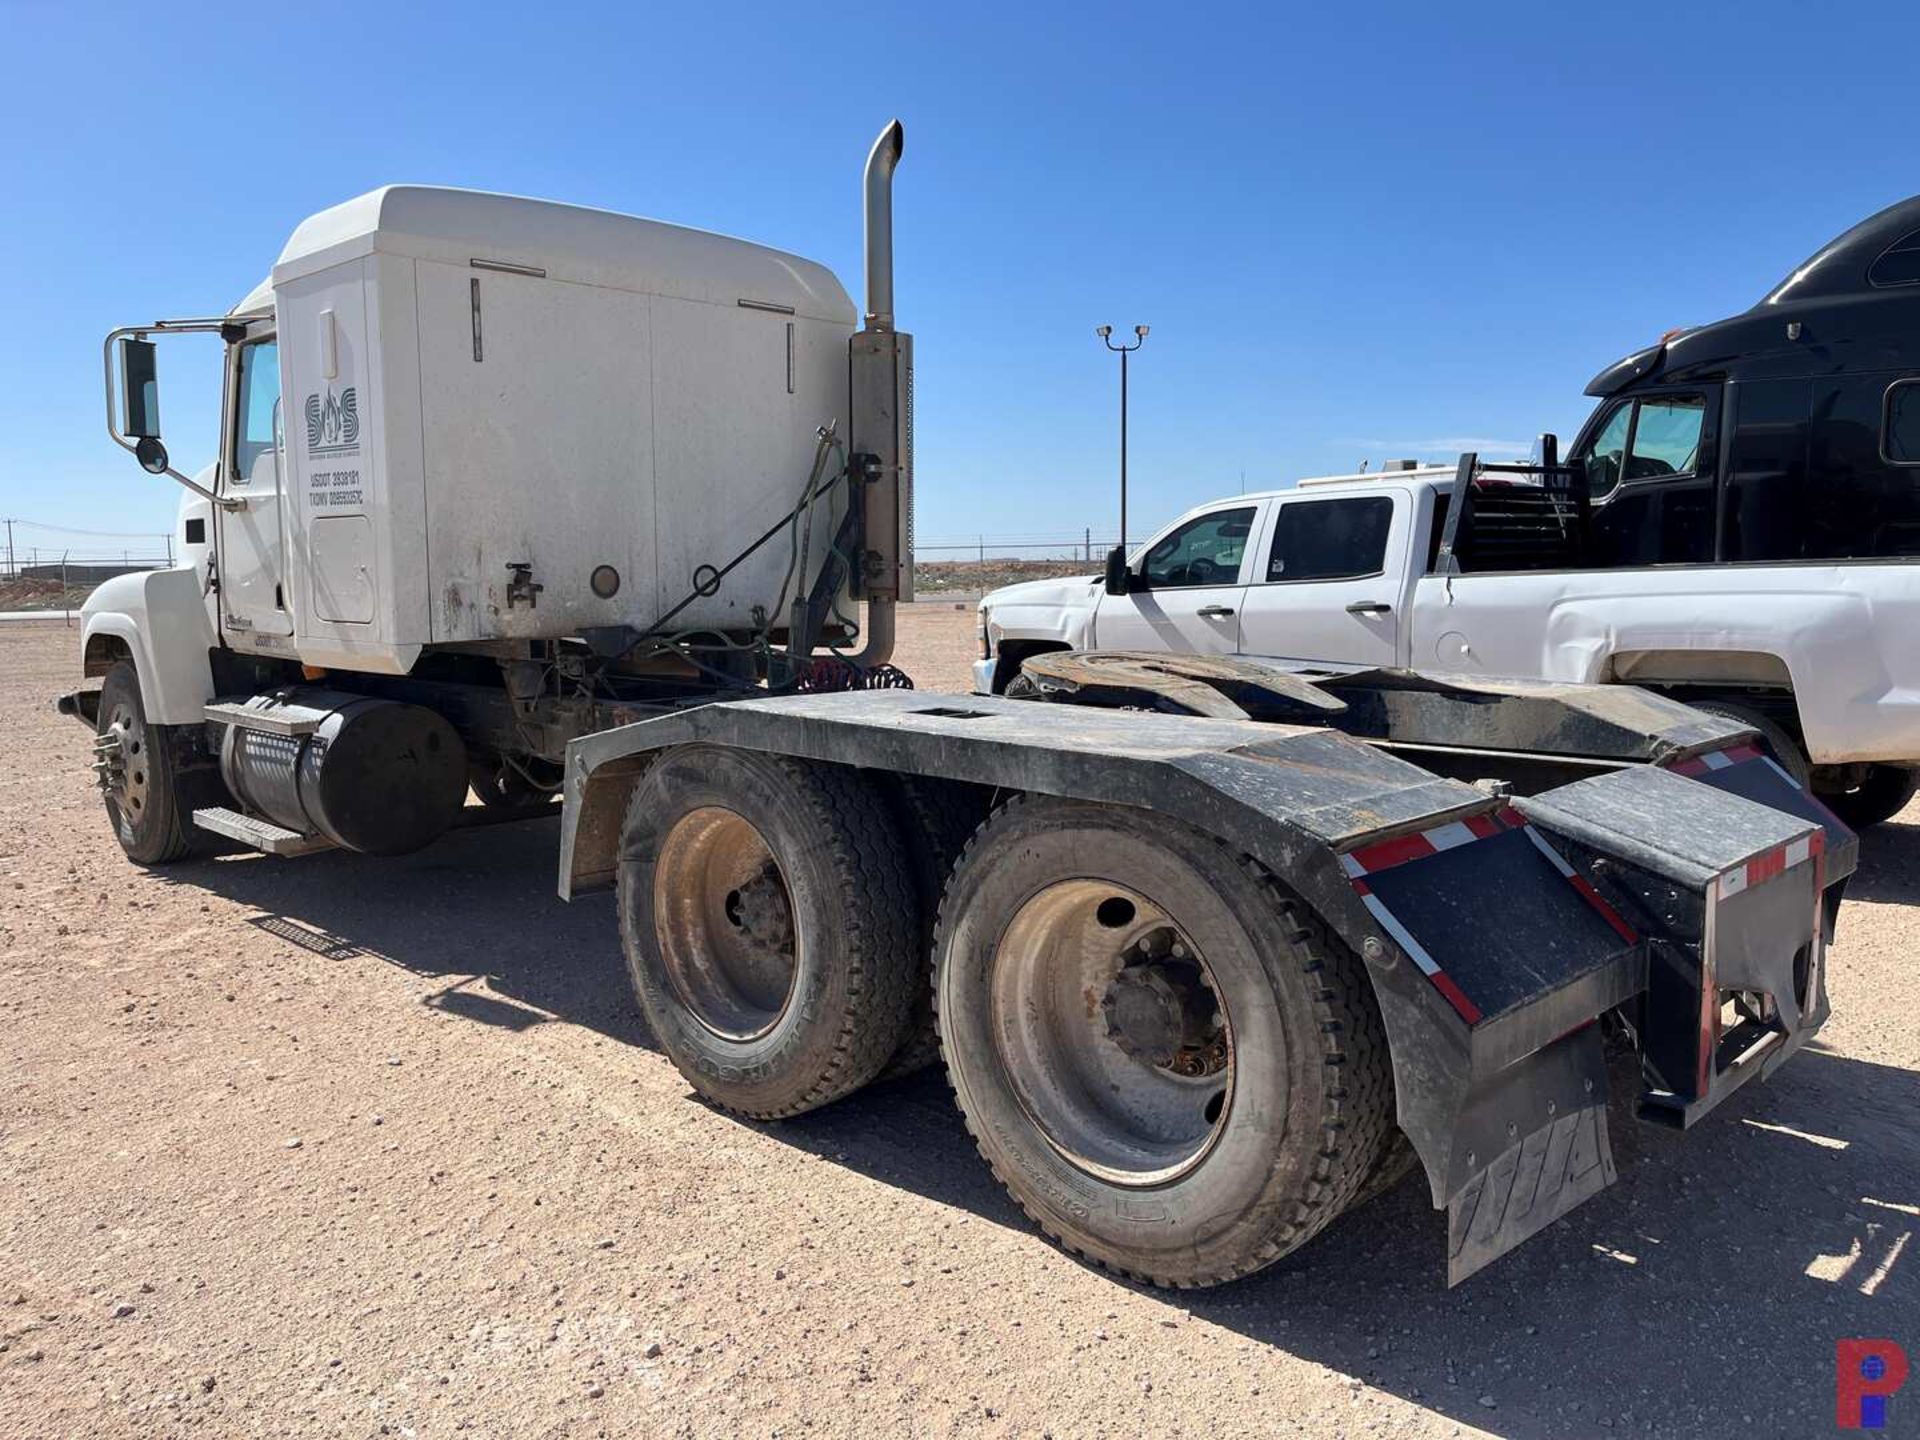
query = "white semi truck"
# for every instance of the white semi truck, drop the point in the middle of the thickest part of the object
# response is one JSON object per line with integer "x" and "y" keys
{"x": 545, "y": 500}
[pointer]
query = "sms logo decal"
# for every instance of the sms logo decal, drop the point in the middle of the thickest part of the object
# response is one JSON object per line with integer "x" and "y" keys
{"x": 333, "y": 423}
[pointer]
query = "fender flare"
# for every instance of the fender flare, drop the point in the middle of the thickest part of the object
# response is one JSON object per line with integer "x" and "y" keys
{"x": 160, "y": 619}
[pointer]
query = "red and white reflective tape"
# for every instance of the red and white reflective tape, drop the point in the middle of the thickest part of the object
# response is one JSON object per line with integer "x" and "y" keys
{"x": 1766, "y": 865}
{"x": 1718, "y": 760}
{"x": 1384, "y": 855}
{"x": 1574, "y": 878}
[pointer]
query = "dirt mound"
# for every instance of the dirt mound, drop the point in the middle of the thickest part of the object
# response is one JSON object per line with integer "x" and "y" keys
{"x": 976, "y": 577}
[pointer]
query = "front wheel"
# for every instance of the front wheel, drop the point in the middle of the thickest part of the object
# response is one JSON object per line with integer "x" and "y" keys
{"x": 1167, "y": 1059}
{"x": 140, "y": 770}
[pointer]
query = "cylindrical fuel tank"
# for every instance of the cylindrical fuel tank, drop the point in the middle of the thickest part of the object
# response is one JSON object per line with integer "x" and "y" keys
{"x": 371, "y": 775}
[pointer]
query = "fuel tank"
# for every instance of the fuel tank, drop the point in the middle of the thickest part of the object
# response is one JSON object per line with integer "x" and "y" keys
{"x": 370, "y": 775}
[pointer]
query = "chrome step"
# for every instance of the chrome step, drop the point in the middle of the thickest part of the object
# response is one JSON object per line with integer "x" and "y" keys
{"x": 268, "y": 722}
{"x": 259, "y": 834}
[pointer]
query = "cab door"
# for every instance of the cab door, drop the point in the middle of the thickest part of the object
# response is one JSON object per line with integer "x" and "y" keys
{"x": 1184, "y": 588}
{"x": 251, "y": 553}
{"x": 1333, "y": 583}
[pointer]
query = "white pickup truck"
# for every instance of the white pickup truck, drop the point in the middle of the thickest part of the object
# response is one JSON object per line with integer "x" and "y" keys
{"x": 1348, "y": 571}
{"x": 1738, "y": 524}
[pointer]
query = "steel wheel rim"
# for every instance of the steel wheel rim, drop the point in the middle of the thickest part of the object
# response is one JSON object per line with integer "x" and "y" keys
{"x": 1079, "y": 961}
{"x": 127, "y": 778}
{"x": 724, "y": 924}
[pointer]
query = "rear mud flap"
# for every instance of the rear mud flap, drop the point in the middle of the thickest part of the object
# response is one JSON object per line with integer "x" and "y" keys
{"x": 1527, "y": 1179}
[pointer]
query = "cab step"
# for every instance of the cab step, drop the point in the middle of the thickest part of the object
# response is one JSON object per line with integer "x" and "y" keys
{"x": 296, "y": 721}
{"x": 258, "y": 834}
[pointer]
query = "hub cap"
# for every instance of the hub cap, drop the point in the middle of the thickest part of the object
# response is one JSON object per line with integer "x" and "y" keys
{"x": 121, "y": 765}
{"x": 724, "y": 924}
{"x": 1112, "y": 1032}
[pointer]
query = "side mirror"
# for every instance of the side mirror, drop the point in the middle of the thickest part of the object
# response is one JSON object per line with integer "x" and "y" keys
{"x": 139, "y": 390}
{"x": 1118, "y": 578}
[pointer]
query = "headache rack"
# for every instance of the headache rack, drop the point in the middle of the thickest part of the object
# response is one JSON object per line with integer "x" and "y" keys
{"x": 1516, "y": 516}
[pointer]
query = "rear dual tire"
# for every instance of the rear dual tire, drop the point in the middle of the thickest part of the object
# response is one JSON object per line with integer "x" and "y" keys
{"x": 767, "y": 914}
{"x": 1092, "y": 1143}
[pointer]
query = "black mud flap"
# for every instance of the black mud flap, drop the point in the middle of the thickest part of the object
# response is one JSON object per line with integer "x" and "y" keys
{"x": 1499, "y": 1076}
{"x": 1517, "y": 1182}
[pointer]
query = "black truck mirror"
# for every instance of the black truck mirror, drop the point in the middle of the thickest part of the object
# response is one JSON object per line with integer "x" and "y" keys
{"x": 1117, "y": 576}
{"x": 139, "y": 390}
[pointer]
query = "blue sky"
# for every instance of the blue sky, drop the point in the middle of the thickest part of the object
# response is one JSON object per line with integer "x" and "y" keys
{"x": 1357, "y": 231}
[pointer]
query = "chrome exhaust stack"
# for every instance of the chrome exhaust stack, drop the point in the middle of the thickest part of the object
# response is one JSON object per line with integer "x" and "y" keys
{"x": 881, "y": 373}
{"x": 878, "y": 185}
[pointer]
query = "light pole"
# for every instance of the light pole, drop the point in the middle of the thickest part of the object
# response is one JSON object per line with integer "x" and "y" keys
{"x": 1105, "y": 332}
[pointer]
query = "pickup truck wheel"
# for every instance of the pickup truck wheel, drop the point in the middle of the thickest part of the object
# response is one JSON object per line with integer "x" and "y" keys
{"x": 766, "y": 913}
{"x": 139, "y": 767}
{"x": 1773, "y": 738}
{"x": 1881, "y": 795}
{"x": 1171, "y": 1064}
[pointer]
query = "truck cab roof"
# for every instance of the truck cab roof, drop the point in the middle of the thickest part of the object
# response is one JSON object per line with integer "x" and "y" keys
{"x": 562, "y": 242}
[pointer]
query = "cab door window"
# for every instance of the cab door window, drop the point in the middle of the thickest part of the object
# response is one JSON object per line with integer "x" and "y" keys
{"x": 1330, "y": 539}
{"x": 256, "y": 413}
{"x": 1666, "y": 437}
{"x": 1204, "y": 551}
{"x": 1606, "y": 456}
{"x": 1653, "y": 497}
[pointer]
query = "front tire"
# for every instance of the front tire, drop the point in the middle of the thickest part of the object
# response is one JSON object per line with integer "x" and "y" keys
{"x": 767, "y": 911}
{"x": 142, "y": 771}
{"x": 1172, "y": 1065}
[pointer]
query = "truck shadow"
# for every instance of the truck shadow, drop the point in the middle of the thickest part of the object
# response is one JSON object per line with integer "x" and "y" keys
{"x": 477, "y": 908}
{"x": 1889, "y": 870}
{"x": 1701, "y": 1294}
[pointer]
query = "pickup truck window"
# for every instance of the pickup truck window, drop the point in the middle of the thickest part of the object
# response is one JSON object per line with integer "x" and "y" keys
{"x": 1204, "y": 551}
{"x": 1330, "y": 539}
{"x": 1901, "y": 443}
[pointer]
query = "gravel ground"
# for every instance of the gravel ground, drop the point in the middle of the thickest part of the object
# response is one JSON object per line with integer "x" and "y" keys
{"x": 342, "y": 1146}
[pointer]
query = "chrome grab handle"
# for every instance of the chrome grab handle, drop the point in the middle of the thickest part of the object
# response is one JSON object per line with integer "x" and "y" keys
{"x": 1365, "y": 607}
{"x": 1215, "y": 612}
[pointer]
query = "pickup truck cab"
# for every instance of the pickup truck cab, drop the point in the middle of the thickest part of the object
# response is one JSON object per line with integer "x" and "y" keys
{"x": 1738, "y": 524}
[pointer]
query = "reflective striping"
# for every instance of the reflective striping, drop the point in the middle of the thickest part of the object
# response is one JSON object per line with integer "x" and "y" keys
{"x": 1401, "y": 935}
{"x": 1416, "y": 952}
{"x": 1607, "y": 913}
{"x": 1385, "y": 854}
{"x": 1553, "y": 855}
{"x": 1716, "y": 760}
{"x": 1446, "y": 837}
{"x": 1772, "y": 863}
{"x": 1388, "y": 853}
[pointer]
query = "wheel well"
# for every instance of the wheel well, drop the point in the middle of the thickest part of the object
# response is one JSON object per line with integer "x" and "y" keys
{"x": 1729, "y": 669}
{"x": 1751, "y": 679}
{"x": 1012, "y": 654}
{"x": 103, "y": 652}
